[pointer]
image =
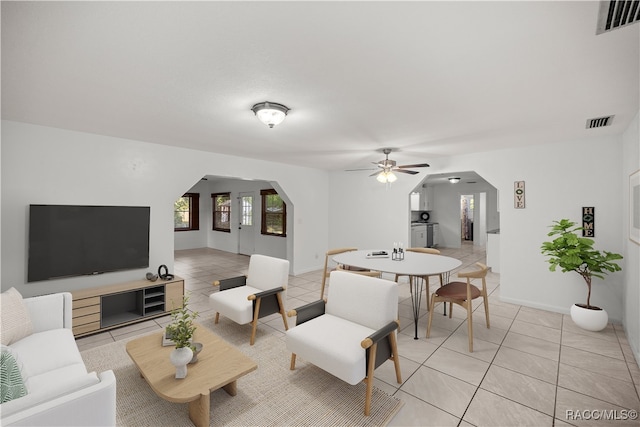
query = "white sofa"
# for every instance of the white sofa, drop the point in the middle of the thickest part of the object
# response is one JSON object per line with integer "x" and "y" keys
{"x": 60, "y": 391}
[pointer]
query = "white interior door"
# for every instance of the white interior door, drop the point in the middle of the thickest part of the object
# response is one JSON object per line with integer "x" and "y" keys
{"x": 246, "y": 230}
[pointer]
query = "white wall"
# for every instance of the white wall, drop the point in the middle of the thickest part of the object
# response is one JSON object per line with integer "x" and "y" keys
{"x": 631, "y": 295}
{"x": 560, "y": 179}
{"x": 48, "y": 165}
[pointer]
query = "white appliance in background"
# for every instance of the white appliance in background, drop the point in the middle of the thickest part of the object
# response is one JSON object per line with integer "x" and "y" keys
{"x": 419, "y": 235}
{"x": 432, "y": 234}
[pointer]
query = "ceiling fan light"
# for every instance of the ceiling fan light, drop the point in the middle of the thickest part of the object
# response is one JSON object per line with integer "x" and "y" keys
{"x": 270, "y": 113}
{"x": 454, "y": 180}
{"x": 385, "y": 177}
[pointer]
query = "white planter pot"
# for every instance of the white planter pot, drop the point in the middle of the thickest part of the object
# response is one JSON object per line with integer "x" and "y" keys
{"x": 589, "y": 319}
{"x": 180, "y": 357}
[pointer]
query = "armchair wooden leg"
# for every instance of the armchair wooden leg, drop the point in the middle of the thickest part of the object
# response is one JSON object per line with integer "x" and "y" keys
{"x": 293, "y": 361}
{"x": 370, "y": 368}
{"x": 217, "y": 317}
{"x": 394, "y": 355}
{"x": 282, "y": 313}
{"x": 254, "y": 323}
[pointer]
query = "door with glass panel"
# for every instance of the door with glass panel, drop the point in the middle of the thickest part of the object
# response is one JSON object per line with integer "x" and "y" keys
{"x": 246, "y": 236}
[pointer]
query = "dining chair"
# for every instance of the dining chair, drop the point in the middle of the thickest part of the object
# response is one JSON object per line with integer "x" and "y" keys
{"x": 328, "y": 270}
{"x": 370, "y": 273}
{"x": 463, "y": 294}
{"x": 432, "y": 251}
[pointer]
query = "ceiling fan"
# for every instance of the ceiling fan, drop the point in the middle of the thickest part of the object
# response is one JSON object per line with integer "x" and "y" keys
{"x": 386, "y": 168}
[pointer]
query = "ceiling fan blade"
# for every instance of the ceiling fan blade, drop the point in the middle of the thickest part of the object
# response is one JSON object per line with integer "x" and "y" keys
{"x": 376, "y": 173}
{"x": 364, "y": 169}
{"x": 406, "y": 171}
{"x": 419, "y": 165}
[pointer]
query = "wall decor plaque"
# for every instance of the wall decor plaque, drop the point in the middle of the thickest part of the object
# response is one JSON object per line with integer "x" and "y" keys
{"x": 518, "y": 194}
{"x": 588, "y": 221}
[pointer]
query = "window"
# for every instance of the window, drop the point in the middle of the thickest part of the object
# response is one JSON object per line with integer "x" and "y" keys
{"x": 247, "y": 210}
{"x": 222, "y": 212}
{"x": 274, "y": 214}
{"x": 186, "y": 212}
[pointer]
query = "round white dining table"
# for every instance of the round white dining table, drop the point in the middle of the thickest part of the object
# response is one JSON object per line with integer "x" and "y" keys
{"x": 415, "y": 265}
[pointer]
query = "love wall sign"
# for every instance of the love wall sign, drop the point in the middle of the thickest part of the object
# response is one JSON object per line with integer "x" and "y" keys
{"x": 588, "y": 222}
{"x": 518, "y": 194}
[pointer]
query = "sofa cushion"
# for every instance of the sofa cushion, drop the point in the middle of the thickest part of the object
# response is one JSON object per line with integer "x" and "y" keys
{"x": 234, "y": 303}
{"x": 45, "y": 394}
{"x": 46, "y": 351}
{"x": 334, "y": 344}
{"x": 12, "y": 385}
{"x": 16, "y": 323}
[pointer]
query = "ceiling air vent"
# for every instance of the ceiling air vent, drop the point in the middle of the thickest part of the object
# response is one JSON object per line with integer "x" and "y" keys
{"x": 599, "y": 122}
{"x": 616, "y": 13}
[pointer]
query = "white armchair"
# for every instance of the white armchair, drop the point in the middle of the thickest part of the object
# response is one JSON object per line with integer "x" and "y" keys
{"x": 353, "y": 333}
{"x": 245, "y": 299}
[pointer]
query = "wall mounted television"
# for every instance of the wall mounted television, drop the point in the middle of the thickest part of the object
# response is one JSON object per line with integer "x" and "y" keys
{"x": 69, "y": 241}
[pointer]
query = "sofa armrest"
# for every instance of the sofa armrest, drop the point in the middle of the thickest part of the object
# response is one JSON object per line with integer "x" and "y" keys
{"x": 233, "y": 282}
{"x": 53, "y": 311}
{"x": 91, "y": 406}
{"x": 308, "y": 311}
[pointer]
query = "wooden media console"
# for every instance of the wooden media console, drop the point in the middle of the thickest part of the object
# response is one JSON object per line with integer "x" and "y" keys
{"x": 107, "y": 307}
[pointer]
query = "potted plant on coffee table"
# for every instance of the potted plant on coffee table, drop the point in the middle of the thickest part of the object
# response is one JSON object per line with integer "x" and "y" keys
{"x": 571, "y": 252}
{"x": 180, "y": 331}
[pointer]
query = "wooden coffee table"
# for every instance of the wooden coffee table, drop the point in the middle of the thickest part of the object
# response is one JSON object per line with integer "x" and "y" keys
{"x": 219, "y": 365}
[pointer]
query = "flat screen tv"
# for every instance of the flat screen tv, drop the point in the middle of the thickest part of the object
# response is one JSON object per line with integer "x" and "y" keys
{"x": 85, "y": 240}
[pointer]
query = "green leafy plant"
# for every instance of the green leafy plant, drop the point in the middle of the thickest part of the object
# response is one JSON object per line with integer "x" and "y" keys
{"x": 181, "y": 329}
{"x": 571, "y": 252}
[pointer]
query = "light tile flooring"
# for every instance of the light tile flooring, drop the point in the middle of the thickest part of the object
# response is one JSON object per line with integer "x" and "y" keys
{"x": 531, "y": 367}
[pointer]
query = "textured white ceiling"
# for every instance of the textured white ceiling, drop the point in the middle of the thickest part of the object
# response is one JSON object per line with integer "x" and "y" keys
{"x": 429, "y": 79}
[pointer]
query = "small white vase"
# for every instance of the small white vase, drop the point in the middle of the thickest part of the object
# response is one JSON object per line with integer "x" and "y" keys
{"x": 589, "y": 319}
{"x": 180, "y": 357}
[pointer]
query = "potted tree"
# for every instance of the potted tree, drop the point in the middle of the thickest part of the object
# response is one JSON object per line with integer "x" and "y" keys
{"x": 571, "y": 252}
{"x": 180, "y": 331}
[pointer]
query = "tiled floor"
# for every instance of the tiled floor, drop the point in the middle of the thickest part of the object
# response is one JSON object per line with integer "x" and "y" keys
{"x": 531, "y": 367}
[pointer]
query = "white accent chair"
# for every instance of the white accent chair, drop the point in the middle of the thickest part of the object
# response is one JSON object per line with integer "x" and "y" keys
{"x": 245, "y": 299}
{"x": 353, "y": 333}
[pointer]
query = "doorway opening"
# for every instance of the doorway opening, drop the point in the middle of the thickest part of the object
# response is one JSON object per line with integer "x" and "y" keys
{"x": 467, "y": 207}
{"x": 246, "y": 239}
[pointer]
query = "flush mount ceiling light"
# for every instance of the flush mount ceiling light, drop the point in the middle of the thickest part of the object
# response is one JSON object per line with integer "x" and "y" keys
{"x": 454, "y": 180}
{"x": 270, "y": 113}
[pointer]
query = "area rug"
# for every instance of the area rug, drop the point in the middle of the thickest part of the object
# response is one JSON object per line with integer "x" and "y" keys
{"x": 273, "y": 395}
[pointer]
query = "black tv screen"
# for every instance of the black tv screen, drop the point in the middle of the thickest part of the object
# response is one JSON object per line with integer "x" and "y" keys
{"x": 81, "y": 240}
